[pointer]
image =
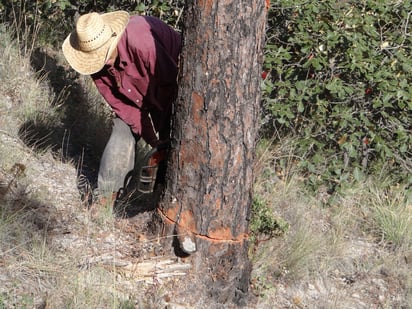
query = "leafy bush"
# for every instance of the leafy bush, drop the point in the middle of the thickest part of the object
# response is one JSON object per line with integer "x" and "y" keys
{"x": 263, "y": 221}
{"x": 338, "y": 76}
{"x": 54, "y": 19}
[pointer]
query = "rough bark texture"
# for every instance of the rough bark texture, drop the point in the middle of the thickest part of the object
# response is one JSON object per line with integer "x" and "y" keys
{"x": 210, "y": 172}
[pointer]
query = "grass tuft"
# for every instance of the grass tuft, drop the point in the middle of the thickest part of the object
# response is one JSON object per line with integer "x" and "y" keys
{"x": 392, "y": 217}
{"x": 361, "y": 232}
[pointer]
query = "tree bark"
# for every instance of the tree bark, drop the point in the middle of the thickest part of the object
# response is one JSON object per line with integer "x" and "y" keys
{"x": 208, "y": 188}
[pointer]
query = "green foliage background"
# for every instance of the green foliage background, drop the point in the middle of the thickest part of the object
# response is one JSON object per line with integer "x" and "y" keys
{"x": 338, "y": 77}
{"x": 56, "y": 18}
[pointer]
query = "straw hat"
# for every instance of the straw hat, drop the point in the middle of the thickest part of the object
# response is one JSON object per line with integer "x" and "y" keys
{"x": 96, "y": 36}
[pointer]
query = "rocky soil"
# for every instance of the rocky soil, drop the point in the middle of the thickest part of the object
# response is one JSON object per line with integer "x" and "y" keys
{"x": 46, "y": 191}
{"x": 125, "y": 246}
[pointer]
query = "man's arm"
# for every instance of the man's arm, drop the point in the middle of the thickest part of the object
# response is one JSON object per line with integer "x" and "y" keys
{"x": 138, "y": 120}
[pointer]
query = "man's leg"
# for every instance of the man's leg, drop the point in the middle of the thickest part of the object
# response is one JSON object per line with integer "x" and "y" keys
{"x": 117, "y": 159}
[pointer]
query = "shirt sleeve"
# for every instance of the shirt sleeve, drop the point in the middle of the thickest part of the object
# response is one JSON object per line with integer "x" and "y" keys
{"x": 138, "y": 120}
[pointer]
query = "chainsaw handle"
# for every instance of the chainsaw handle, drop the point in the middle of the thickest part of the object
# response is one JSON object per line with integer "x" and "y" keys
{"x": 150, "y": 154}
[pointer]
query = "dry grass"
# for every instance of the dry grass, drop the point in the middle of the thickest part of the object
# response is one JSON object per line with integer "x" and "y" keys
{"x": 361, "y": 239}
{"x": 61, "y": 258}
{"x": 41, "y": 276}
{"x": 23, "y": 93}
{"x": 35, "y": 271}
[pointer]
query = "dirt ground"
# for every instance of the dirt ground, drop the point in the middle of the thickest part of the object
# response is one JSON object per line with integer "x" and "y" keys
{"x": 144, "y": 269}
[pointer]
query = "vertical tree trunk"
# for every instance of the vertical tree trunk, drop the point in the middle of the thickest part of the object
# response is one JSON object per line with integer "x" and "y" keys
{"x": 210, "y": 173}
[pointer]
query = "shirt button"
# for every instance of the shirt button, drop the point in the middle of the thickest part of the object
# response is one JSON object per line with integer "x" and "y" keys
{"x": 129, "y": 90}
{"x": 137, "y": 100}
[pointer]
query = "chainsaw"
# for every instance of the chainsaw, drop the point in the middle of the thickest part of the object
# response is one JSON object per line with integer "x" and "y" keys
{"x": 143, "y": 178}
{"x": 148, "y": 171}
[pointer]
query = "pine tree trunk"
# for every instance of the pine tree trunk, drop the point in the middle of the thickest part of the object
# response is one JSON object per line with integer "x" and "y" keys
{"x": 208, "y": 186}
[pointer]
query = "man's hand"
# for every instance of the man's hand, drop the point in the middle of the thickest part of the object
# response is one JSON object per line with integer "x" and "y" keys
{"x": 162, "y": 145}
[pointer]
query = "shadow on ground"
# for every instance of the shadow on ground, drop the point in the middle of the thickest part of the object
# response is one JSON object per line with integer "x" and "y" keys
{"x": 74, "y": 136}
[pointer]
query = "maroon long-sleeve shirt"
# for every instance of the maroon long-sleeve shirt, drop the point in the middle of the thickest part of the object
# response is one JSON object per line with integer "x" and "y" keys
{"x": 141, "y": 85}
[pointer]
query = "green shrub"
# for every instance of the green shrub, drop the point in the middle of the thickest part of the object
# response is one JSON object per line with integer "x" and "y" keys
{"x": 339, "y": 75}
{"x": 52, "y": 20}
{"x": 264, "y": 224}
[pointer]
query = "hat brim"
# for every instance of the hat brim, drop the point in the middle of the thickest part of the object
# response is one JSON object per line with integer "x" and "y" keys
{"x": 88, "y": 63}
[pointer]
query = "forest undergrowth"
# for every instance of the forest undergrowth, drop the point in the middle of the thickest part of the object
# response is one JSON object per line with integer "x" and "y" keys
{"x": 310, "y": 249}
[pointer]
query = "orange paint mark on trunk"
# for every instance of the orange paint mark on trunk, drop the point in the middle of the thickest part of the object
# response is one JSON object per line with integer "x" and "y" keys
{"x": 172, "y": 212}
{"x": 267, "y": 4}
{"x": 221, "y": 233}
{"x": 187, "y": 221}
